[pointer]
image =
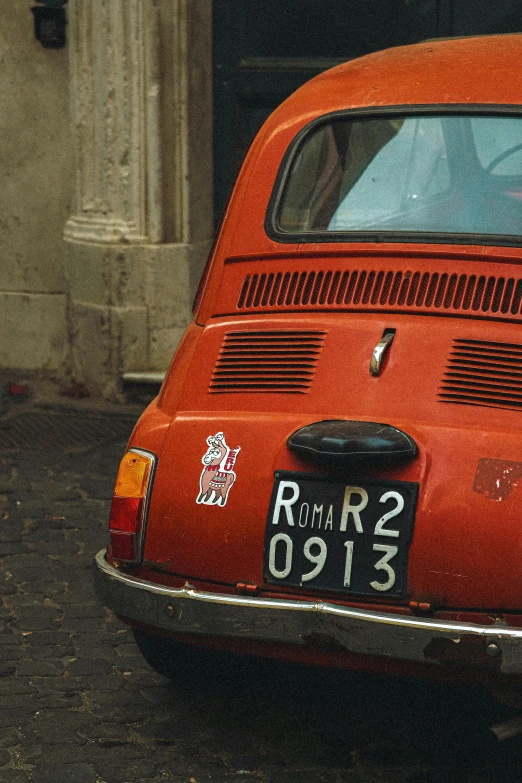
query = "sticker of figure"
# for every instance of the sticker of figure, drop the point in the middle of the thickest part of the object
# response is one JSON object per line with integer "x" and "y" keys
{"x": 218, "y": 475}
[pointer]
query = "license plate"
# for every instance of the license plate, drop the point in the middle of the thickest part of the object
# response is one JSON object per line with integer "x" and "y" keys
{"x": 349, "y": 536}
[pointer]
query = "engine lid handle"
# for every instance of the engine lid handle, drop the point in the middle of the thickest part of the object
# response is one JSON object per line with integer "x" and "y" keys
{"x": 379, "y": 352}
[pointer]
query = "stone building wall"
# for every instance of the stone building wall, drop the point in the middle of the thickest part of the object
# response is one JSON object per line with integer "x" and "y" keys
{"x": 35, "y": 195}
{"x": 106, "y": 198}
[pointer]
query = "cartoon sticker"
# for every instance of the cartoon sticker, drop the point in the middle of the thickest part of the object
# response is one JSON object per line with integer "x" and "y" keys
{"x": 217, "y": 475}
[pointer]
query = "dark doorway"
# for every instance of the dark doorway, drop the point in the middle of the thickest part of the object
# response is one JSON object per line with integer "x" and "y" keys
{"x": 265, "y": 49}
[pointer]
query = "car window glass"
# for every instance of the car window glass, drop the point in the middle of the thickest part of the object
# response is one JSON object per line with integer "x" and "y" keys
{"x": 498, "y": 139}
{"x": 390, "y": 165}
{"x": 312, "y": 193}
{"x": 429, "y": 174}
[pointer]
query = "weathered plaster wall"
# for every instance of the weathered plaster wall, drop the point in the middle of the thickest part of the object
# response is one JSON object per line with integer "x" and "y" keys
{"x": 36, "y": 176}
{"x": 110, "y": 138}
{"x": 129, "y": 306}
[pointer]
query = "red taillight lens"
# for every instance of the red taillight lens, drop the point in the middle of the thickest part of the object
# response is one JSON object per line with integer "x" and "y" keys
{"x": 129, "y": 505}
{"x": 125, "y": 546}
{"x": 124, "y": 514}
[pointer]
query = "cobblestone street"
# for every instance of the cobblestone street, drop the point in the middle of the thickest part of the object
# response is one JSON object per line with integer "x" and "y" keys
{"x": 79, "y": 705}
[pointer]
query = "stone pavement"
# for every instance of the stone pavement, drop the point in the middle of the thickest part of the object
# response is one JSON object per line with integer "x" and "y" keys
{"x": 78, "y": 704}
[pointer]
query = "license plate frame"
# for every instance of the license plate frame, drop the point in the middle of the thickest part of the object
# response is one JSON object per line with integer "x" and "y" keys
{"x": 365, "y": 526}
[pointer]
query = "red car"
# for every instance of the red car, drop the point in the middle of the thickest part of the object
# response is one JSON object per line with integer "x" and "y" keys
{"x": 331, "y": 471}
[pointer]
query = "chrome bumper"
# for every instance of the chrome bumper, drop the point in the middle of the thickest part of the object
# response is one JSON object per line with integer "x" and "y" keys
{"x": 362, "y": 632}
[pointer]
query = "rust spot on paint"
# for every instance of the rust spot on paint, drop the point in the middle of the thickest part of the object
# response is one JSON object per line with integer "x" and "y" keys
{"x": 421, "y": 607}
{"x": 497, "y": 478}
{"x": 469, "y": 652}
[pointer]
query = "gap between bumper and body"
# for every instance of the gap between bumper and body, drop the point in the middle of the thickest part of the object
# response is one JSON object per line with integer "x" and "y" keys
{"x": 358, "y": 631}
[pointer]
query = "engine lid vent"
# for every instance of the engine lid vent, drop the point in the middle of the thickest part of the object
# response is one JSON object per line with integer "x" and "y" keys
{"x": 268, "y": 361}
{"x": 387, "y": 290}
{"x": 484, "y": 373}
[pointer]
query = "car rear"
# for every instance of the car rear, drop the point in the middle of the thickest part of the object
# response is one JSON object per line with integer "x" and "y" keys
{"x": 335, "y": 454}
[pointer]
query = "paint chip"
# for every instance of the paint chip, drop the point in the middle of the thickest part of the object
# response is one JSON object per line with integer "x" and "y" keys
{"x": 496, "y": 478}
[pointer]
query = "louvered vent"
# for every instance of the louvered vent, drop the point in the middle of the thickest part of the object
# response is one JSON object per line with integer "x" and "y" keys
{"x": 484, "y": 373}
{"x": 271, "y": 361}
{"x": 480, "y": 295}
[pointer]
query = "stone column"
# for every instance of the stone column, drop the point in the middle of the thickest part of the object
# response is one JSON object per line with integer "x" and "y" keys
{"x": 140, "y": 74}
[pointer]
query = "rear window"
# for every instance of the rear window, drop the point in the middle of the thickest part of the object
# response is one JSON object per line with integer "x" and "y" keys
{"x": 401, "y": 175}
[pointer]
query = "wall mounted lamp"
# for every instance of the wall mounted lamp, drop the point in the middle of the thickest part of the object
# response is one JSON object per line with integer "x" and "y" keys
{"x": 50, "y": 23}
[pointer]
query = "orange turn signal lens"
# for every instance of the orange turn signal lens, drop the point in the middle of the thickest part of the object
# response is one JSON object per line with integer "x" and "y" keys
{"x": 129, "y": 504}
{"x": 133, "y": 475}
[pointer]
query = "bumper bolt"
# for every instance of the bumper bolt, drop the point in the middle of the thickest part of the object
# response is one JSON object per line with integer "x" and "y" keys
{"x": 493, "y": 650}
{"x": 170, "y": 611}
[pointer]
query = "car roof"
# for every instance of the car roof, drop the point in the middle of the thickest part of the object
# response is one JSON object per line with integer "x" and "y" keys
{"x": 482, "y": 70}
{"x": 461, "y": 71}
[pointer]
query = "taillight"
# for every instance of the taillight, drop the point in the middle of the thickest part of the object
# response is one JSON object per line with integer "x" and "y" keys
{"x": 129, "y": 504}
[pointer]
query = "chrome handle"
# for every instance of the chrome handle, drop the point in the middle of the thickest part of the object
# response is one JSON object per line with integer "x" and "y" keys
{"x": 379, "y": 351}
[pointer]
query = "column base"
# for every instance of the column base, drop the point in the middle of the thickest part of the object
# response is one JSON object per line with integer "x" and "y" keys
{"x": 128, "y": 306}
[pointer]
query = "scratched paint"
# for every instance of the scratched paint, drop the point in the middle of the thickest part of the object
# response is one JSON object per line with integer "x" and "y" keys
{"x": 497, "y": 478}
